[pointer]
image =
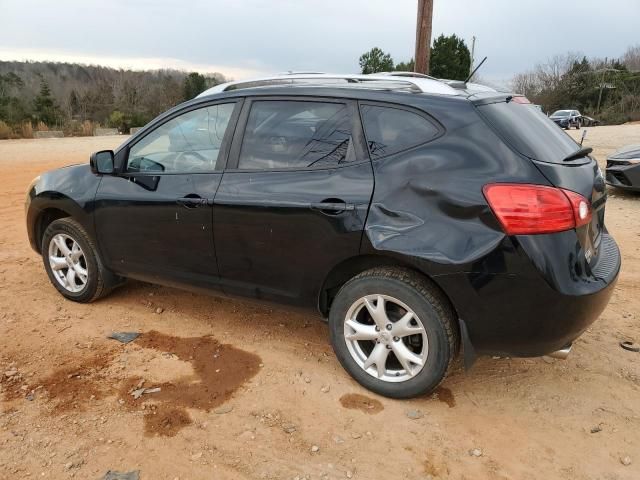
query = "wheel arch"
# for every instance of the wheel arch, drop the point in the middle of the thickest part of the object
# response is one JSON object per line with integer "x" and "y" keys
{"x": 349, "y": 268}
{"x": 43, "y": 220}
{"x": 49, "y": 206}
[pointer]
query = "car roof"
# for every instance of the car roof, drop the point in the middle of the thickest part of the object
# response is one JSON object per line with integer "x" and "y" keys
{"x": 397, "y": 96}
{"x": 411, "y": 81}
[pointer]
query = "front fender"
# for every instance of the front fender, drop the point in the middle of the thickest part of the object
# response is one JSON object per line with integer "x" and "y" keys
{"x": 65, "y": 192}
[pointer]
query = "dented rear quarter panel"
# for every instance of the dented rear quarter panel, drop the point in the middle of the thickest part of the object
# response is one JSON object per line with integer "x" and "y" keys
{"x": 428, "y": 201}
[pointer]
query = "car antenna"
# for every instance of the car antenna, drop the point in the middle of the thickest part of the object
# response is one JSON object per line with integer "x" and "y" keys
{"x": 475, "y": 70}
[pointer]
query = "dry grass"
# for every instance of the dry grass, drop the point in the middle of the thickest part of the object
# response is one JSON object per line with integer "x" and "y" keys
{"x": 5, "y": 131}
{"x": 26, "y": 130}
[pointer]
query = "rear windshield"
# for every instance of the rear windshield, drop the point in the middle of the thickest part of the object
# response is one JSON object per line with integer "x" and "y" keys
{"x": 529, "y": 131}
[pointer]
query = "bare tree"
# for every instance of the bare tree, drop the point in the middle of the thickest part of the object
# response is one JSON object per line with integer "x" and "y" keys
{"x": 631, "y": 58}
{"x": 551, "y": 72}
{"x": 526, "y": 83}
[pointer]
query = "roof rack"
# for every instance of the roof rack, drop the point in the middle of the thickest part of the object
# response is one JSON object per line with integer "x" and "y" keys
{"x": 400, "y": 73}
{"x": 385, "y": 82}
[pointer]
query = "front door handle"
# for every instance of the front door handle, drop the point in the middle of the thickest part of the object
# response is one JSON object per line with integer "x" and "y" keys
{"x": 332, "y": 206}
{"x": 193, "y": 201}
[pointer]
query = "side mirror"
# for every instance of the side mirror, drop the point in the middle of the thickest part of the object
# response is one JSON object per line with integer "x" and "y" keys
{"x": 584, "y": 135}
{"x": 102, "y": 162}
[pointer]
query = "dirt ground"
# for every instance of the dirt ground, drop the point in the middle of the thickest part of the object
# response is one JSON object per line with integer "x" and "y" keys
{"x": 253, "y": 391}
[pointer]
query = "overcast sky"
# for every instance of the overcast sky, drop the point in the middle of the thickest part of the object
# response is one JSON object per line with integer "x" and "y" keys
{"x": 242, "y": 38}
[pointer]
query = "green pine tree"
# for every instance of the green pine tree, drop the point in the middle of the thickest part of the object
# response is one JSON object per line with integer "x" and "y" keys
{"x": 450, "y": 58}
{"x": 193, "y": 85}
{"x": 45, "y": 108}
{"x": 375, "y": 60}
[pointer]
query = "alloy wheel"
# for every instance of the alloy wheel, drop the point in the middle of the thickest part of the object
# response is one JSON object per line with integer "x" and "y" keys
{"x": 68, "y": 263}
{"x": 386, "y": 338}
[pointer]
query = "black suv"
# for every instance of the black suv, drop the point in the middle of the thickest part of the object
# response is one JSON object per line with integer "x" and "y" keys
{"x": 419, "y": 218}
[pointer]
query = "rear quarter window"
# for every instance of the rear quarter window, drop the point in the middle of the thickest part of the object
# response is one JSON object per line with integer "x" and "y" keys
{"x": 529, "y": 131}
{"x": 391, "y": 130}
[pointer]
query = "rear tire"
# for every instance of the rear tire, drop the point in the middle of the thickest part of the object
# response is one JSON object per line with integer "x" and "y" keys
{"x": 412, "y": 332}
{"x": 72, "y": 262}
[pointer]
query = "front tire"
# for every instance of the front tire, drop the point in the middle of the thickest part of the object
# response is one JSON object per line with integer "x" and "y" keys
{"x": 72, "y": 262}
{"x": 394, "y": 332}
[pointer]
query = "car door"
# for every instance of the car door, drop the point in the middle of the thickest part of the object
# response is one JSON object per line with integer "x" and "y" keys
{"x": 294, "y": 198}
{"x": 154, "y": 217}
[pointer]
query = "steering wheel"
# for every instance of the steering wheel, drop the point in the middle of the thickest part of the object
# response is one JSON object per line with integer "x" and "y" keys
{"x": 182, "y": 164}
{"x": 278, "y": 144}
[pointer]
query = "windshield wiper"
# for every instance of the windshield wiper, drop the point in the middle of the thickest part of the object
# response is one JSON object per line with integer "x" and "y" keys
{"x": 583, "y": 152}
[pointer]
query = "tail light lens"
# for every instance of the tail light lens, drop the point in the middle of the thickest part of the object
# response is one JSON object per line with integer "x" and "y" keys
{"x": 525, "y": 209}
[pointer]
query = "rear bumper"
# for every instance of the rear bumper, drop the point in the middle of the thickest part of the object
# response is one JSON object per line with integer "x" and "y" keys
{"x": 526, "y": 315}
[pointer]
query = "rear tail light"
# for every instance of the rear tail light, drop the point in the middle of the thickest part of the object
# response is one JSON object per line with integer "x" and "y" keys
{"x": 525, "y": 209}
{"x": 520, "y": 99}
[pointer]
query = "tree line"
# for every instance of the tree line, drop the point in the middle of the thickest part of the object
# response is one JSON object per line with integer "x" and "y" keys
{"x": 603, "y": 88}
{"x": 450, "y": 59}
{"x": 75, "y": 98}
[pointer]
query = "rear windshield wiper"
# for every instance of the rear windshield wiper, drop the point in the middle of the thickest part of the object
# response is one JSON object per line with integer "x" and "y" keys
{"x": 583, "y": 152}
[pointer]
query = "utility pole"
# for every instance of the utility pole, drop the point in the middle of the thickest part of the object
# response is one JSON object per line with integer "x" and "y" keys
{"x": 604, "y": 72}
{"x": 423, "y": 36}
{"x": 473, "y": 54}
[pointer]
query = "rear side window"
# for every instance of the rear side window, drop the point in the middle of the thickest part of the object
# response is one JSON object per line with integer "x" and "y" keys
{"x": 390, "y": 130}
{"x": 529, "y": 131}
{"x": 296, "y": 134}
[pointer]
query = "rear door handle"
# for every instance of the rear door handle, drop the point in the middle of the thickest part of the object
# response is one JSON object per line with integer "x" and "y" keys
{"x": 332, "y": 206}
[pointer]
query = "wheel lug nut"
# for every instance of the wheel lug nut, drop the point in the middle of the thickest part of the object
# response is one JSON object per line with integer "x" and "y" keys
{"x": 388, "y": 347}
{"x": 389, "y": 326}
{"x": 377, "y": 328}
{"x": 396, "y": 339}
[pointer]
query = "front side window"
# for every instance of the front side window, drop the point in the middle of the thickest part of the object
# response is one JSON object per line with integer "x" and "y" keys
{"x": 189, "y": 143}
{"x": 391, "y": 130}
{"x": 296, "y": 134}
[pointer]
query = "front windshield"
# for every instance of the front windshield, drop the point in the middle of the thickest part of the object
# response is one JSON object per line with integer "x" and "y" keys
{"x": 561, "y": 113}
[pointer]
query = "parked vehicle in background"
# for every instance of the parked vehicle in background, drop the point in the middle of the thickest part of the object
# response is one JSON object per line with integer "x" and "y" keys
{"x": 419, "y": 218}
{"x": 567, "y": 118}
{"x": 623, "y": 168}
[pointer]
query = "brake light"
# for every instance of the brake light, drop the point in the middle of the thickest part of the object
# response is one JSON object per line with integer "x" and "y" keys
{"x": 524, "y": 209}
{"x": 521, "y": 99}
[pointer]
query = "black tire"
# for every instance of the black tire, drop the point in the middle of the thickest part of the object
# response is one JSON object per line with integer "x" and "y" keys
{"x": 426, "y": 301}
{"x": 96, "y": 285}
